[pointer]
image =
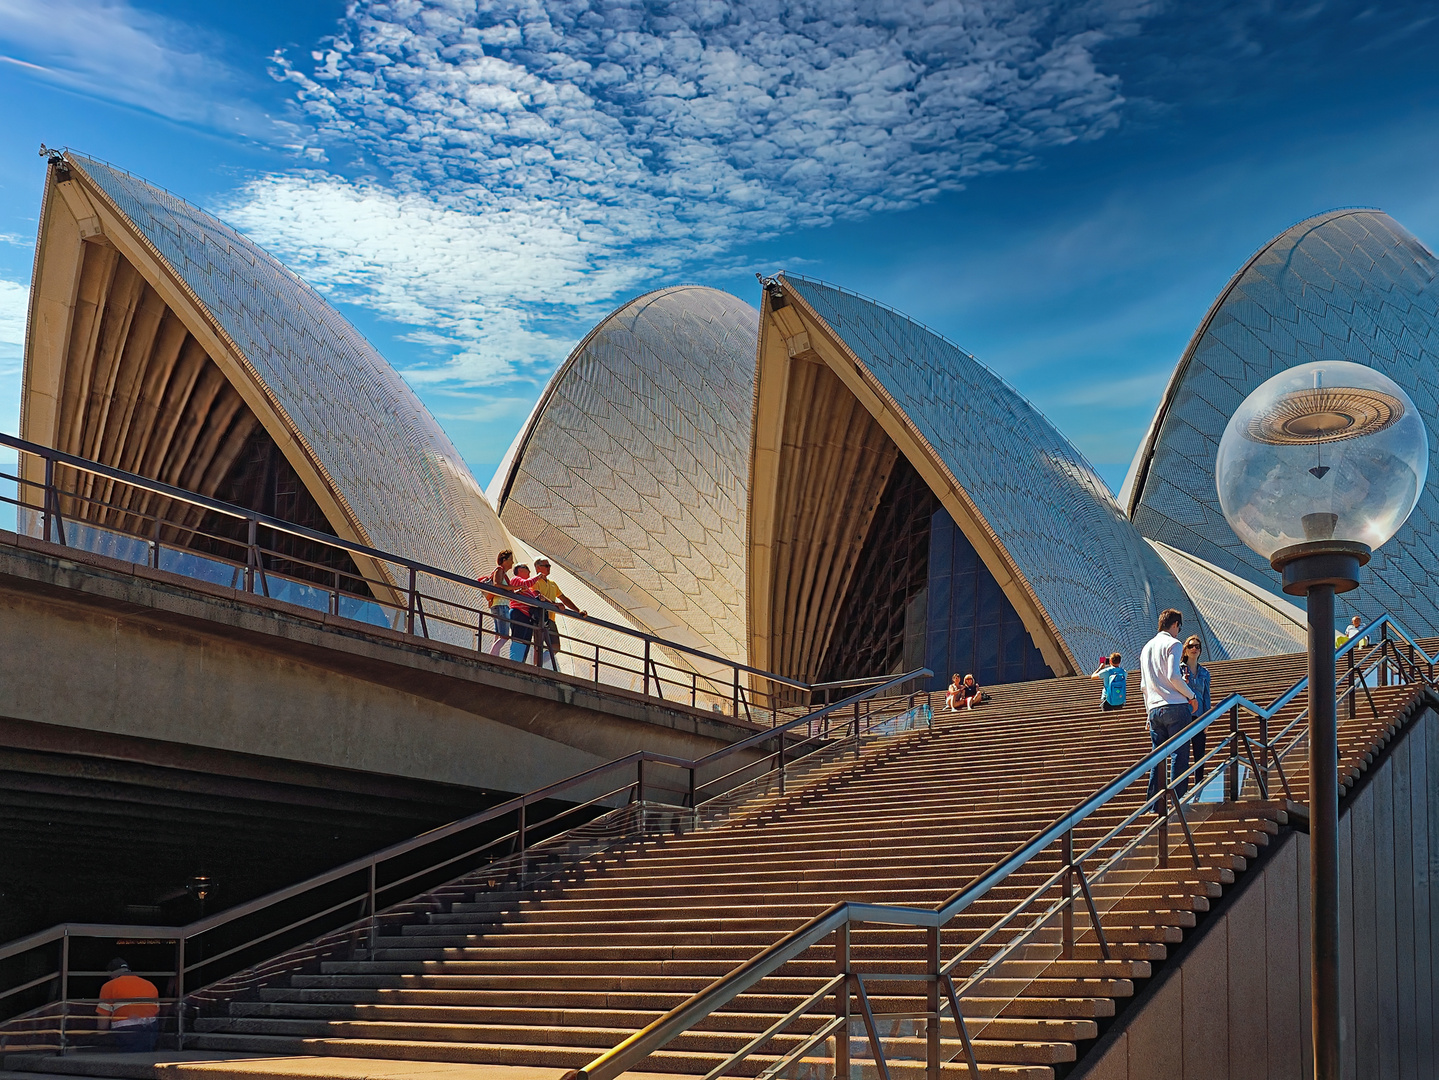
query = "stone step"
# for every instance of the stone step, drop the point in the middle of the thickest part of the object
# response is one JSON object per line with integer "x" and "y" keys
{"x": 901, "y": 1040}
{"x": 775, "y": 1004}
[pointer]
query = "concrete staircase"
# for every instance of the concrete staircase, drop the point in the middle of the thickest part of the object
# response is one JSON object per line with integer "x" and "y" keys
{"x": 551, "y": 975}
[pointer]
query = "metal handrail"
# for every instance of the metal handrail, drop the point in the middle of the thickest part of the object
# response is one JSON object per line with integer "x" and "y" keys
{"x": 49, "y": 510}
{"x": 181, "y": 935}
{"x": 838, "y": 918}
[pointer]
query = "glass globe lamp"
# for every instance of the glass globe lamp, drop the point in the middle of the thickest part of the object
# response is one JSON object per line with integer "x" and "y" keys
{"x": 1326, "y": 459}
{"x": 1316, "y": 469}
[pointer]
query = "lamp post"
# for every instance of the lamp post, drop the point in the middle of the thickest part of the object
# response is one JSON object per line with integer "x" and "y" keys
{"x": 1318, "y": 467}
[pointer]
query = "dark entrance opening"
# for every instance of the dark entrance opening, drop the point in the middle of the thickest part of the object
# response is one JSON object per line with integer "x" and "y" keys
{"x": 921, "y": 597}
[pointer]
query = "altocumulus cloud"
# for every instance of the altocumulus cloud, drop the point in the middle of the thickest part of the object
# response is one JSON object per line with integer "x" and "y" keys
{"x": 14, "y": 300}
{"x": 113, "y": 50}
{"x": 537, "y": 157}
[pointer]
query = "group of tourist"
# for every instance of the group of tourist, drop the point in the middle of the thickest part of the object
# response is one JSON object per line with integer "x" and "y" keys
{"x": 1176, "y": 693}
{"x": 1175, "y": 686}
{"x": 527, "y": 629}
{"x": 963, "y": 693}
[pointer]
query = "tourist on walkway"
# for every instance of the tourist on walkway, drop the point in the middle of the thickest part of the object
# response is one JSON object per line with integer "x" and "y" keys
{"x": 1168, "y": 700}
{"x": 1352, "y": 631}
{"x": 500, "y": 605}
{"x": 951, "y": 694}
{"x": 130, "y": 1009}
{"x": 547, "y": 633}
{"x": 1113, "y": 677}
{"x": 1197, "y": 676}
{"x": 968, "y": 693}
{"x": 522, "y": 627}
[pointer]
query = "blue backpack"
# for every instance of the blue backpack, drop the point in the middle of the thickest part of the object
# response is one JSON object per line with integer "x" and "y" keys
{"x": 1114, "y": 687}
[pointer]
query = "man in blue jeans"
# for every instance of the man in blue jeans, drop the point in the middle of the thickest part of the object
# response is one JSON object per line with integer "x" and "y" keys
{"x": 1168, "y": 700}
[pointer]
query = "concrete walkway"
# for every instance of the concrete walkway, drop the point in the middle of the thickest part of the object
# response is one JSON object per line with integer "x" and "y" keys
{"x": 202, "y": 1065}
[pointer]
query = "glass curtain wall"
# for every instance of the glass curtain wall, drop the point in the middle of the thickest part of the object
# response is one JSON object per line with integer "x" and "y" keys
{"x": 972, "y": 628}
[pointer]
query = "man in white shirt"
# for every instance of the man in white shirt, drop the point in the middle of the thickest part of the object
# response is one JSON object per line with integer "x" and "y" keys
{"x": 1352, "y": 631}
{"x": 1168, "y": 700}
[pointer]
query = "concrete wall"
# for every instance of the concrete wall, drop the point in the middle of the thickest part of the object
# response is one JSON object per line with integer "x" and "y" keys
{"x": 1237, "y": 1006}
{"x": 100, "y": 645}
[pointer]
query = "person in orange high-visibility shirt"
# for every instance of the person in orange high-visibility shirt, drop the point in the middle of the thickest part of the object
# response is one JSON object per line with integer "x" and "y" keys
{"x": 130, "y": 1008}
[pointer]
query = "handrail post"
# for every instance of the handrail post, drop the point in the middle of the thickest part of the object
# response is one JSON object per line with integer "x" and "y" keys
{"x": 370, "y": 907}
{"x": 155, "y": 545}
{"x": 1066, "y": 855}
{"x": 44, "y": 501}
{"x": 841, "y": 1002}
{"x": 735, "y": 713}
{"x": 856, "y": 730}
{"x": 64, "y": 977}
{"x": 1232, "y": 793}
{"x": 1384, "y": 655}
{"x": 180, "y": 992}
{"x": 1349, "y": 667}
{"x": 1163, "y": 832}
{"x": 520, "y": 841}
{"x": 47, "y": 501}
{"x": 1263, "y": 778}
{"x": 253, "y": 532}
{"x": 647, "y": 667}
{"x": 931, "y": 1005}
{"x": 410, "y": 609}
{"x": 781, "y": 763}
{"x": 694, "y": 803}
{"x": 640, "y": 781}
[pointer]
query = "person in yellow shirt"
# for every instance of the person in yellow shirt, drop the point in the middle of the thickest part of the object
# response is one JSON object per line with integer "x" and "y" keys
{"x": 129, "y": 1009}
{"x": 547, "y": 634}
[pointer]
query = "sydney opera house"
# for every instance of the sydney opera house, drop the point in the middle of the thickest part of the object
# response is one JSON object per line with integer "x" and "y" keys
{"x": 813, "y": 483}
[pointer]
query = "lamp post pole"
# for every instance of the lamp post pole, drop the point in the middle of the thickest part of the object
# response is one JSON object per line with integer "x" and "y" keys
{"x": 1323, "y": 836}
{"x": 1318, "y": 466}
{"x": 1317, "y": 570}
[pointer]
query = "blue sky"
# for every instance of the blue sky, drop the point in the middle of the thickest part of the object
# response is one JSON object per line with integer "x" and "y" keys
{"x": 1061, "y": 189}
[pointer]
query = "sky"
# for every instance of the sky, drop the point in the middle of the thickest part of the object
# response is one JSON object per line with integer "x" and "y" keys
{"x": 1061, "y": 189}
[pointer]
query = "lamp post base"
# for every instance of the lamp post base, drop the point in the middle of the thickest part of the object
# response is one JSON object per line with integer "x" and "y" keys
{"x": 1320, "y": 562}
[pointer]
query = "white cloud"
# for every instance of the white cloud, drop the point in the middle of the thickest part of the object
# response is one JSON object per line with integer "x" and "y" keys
{"x": 114, "y": 51}
{"x": 469, "y": 283}
{"x": 544, "y": 155}
{"x": 14, "y": 301}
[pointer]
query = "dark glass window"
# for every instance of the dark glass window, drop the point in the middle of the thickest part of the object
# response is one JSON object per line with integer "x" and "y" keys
{"x": 972, "y": 625}
{"x": 886, "y": 601}
{"x": 917, "y": 563}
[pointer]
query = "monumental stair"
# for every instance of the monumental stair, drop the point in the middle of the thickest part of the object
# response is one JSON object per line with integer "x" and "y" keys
{"x": 553, "y": 973}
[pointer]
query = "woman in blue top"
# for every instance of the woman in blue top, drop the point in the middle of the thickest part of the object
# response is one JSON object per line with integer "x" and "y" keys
{"x": 1197, "y": 676}
{"x": 1112, "y": 676}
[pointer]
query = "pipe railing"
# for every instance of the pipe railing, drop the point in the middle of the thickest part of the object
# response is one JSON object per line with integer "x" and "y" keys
{"x": 165, "y": 527}
{"x": 363, "y": 883}
{"x": 847, "y": 989}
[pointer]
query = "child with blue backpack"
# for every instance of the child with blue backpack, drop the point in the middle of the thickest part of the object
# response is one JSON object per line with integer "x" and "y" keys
{"x": 1113, "y": 677}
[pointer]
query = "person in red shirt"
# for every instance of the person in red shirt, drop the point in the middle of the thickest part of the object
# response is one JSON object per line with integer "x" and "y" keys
{"x": 130, "y": 1009}
{"x": 522, "y": 625}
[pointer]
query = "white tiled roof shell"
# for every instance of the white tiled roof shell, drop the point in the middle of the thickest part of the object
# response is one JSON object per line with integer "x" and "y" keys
{"x": 1100, "y": 583}
{"x": 1246, "y": 620}
{"x": 407, "y": 487}
{"x": 1346, "y": 285}
{"x": 633, "y": 470}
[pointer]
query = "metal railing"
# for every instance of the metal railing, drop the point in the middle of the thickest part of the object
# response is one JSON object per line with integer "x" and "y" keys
{"x": 1025, "y": 933}
{"x": 93, "y": 507}
{"x": 327, "y": 904}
